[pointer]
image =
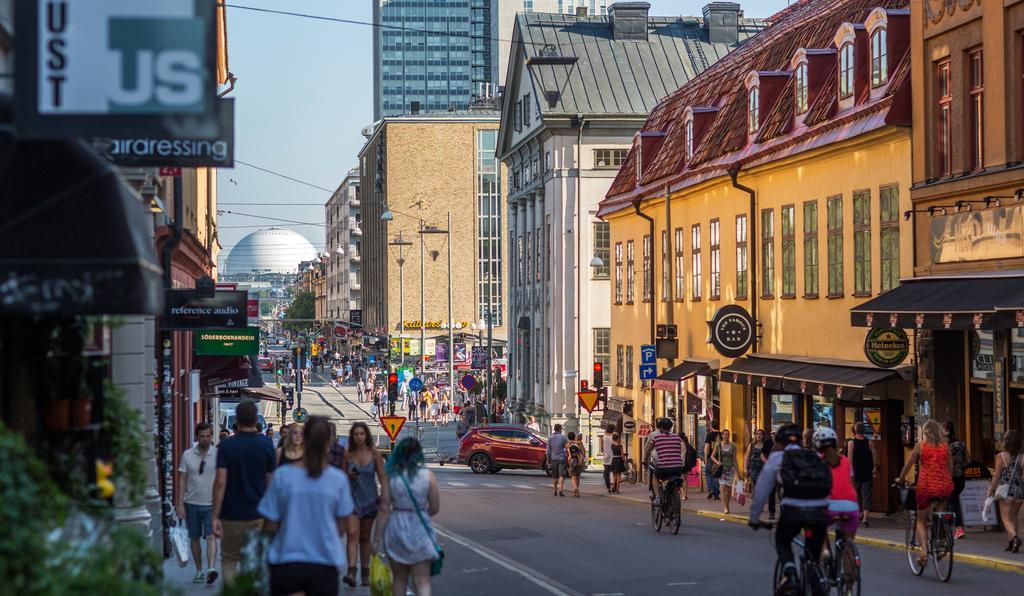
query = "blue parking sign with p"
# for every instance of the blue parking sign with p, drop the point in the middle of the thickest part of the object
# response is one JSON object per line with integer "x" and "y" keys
{"x": 648, "y": 355}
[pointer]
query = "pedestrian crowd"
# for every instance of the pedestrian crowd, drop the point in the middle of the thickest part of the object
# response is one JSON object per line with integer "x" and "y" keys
{"x": 324, "y": 506}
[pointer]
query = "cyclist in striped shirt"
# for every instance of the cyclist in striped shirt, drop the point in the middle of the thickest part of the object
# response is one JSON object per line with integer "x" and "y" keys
{"x": 667, "y": 449}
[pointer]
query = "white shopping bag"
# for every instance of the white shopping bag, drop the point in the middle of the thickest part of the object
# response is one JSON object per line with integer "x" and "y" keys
{"x": 179, "y": 542}
{"x": 739, "y": 493}
{"x": 988, "y": 510}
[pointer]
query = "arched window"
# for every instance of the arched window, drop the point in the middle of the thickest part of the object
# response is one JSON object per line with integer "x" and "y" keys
{"x": 753, "y": 109}
{"x": 879, "y": 58}
{"x": 846, "y": 70}
{"x": 800, "y": 87}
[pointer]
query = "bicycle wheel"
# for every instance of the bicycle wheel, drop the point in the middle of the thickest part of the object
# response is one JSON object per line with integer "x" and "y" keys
{"x": 674, "y": 511}
{"x": 848, "y": 570}
{"x": 656, "y": 517}
{"x": 911, "y": 544}
{"x": 631, "y": 473}
{"x": 777, "y": 576}
{"x": 942, "y": 549}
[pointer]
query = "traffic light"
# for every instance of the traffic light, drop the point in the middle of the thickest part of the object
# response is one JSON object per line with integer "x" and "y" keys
{"x": 598, "y": 375}
{"x": 392, "y": 387}
{"x": 627, "y": 407}
{"x": 584, "y": 385}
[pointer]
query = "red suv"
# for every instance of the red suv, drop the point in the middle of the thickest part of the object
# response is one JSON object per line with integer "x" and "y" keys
{"x": 491, "y": 448}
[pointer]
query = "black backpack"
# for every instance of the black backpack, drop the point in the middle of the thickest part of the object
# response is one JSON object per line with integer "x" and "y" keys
{"x": 804, "y": 475}
{"x": 691, "y": 457}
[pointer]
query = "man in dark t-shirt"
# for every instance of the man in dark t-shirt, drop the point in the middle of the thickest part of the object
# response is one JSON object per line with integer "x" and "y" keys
{"x": 245, "y": 462}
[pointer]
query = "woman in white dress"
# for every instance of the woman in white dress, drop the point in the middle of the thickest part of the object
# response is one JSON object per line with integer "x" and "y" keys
{"x": 409, "y": 540}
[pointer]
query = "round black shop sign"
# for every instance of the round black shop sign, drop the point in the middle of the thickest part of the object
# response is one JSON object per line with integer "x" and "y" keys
{"x": 886, "y": 347}
{"x": 732, "y": 331}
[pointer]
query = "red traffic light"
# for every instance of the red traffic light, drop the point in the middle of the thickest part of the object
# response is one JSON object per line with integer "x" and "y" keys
{"x": 392, "y": 378}
{"x": 598, "y": 367}
{"x": 584, "y": 385}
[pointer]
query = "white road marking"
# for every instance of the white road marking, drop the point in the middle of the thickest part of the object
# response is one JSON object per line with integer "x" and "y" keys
{"x": 531, "y": 575}
{"x": 524, "y": 486}
{"x": 681, "y": 584}
{"x": 491, "y": 485}
{"x": 457, "y": 484}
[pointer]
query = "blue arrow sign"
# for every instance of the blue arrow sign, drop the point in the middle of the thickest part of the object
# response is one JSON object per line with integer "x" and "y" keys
{"x": 648, "y": 372}
{"x": 416, "y": 384}
{"x": 648, "y": 355}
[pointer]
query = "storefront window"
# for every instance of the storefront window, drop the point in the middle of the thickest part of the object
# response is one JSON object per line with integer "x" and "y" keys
{"x": 870, "y": 416}
{"x": 782, "y": 410}
{"x": 824, "y": 412}
{"x": 983, "y": 364}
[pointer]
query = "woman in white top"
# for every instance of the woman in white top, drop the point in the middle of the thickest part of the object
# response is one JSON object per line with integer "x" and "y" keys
{"x": 409, "y": 539}
{"x": 305, "y": 508}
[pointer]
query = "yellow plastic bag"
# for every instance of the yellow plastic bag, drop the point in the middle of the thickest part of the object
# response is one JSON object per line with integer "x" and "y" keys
{"x": 380, "y": 577}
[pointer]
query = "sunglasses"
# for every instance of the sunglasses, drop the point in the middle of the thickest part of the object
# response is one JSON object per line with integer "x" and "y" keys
{"x": 202, "y": 465}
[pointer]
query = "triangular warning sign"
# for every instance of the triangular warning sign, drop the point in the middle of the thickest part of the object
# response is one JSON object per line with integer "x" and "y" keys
{"x": 392, "y": 425}
{"x": 588, "y": 399}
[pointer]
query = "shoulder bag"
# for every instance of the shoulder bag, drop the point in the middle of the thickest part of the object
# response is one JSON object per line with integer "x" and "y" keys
{"x": 436, "y": 564}
{"x": 1003, "y": 488}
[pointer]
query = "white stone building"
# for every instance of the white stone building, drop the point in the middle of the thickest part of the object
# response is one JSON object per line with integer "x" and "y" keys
{"x": 344, "y": 249}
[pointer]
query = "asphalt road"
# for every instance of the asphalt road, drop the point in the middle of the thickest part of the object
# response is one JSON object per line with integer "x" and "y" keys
{"x": 506, "y": 534}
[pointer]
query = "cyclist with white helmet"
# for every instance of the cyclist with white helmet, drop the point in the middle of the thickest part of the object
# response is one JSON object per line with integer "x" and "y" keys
{"x": 842, "y": 500}
{"x": 806, "y": 484}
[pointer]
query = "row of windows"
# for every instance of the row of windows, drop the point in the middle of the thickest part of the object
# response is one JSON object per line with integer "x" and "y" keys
{"x": 523, "y": 175}
{"x": 889, "y": 258}
{"x": 974, "y": 116}
{"x": 846, "y": 72}
{"x": 623, "y": 366}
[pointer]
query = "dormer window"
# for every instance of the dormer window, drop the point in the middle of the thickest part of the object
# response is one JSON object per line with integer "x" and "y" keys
{"x": 800, "y": 90}
{"x": 846, "y": 70}
{"x": 753, "y": 109}
{"x": 879, "y": 58}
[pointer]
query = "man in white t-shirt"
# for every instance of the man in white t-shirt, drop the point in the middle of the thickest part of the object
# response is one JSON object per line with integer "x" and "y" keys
{"x": 606, "y": 455}
{"x": 195, "y": 500}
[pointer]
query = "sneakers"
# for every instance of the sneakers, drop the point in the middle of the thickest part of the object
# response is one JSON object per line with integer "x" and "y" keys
{"x": 199, "y": 578}
{"x": 790, "y": 582}
{"x": 657, "y": 500}
{"x": 211, "y": 576}
{"x": 959, "y": 533}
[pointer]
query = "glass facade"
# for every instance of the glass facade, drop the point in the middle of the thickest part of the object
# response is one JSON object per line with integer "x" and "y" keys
{"x": 434, "y": 53}
{"x": 489, "y": 228}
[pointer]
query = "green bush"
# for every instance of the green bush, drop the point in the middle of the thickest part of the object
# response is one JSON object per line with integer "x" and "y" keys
{"x": 32, "y": 506}
{"x": 125, "y": 444}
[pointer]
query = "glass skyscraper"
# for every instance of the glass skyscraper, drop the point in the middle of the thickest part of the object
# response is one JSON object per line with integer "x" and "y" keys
{"x": 430, "y": 54}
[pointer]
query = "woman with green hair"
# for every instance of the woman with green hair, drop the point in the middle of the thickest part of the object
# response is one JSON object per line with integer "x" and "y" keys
{"x": 408, "y": 536}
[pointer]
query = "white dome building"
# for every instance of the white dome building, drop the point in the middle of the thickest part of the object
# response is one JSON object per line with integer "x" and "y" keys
{"x": 272, "y": 250}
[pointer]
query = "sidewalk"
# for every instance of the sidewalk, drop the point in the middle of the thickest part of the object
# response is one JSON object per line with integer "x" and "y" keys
{"x": 978, "y": 547}
{"x": 178, "y": 580}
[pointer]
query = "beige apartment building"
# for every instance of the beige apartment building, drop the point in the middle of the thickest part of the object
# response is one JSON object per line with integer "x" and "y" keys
{"x": 416, "y": 170}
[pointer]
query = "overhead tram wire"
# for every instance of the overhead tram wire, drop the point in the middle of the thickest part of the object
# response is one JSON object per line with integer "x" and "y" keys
{"x": 286, "y": 177}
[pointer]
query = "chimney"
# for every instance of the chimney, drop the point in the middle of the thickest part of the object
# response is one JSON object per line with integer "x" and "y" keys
{"x": 629, "y": 20}
{"x": 722, "y": 21}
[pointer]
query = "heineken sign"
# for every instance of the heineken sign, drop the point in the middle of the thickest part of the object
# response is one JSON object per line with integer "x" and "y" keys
{"x": 886, "y": 346}
{"x": 223, "y": 342}
{"x": 114, "y": 67}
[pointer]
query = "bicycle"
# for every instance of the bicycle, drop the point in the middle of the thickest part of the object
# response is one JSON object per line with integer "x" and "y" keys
{"x": 631, "y": 474}
{"x": 842, "y": 565}
{"x": 940, "y": 536}
{"x": 670, "y": 511}
{"x": 809, "y": 571}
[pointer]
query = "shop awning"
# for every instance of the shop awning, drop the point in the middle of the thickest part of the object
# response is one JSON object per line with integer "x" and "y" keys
{"x": 73, "y": 237}
{"x": 669, "y": 380}
{"x": 969, "y": 302}
{"x": 805, "y": 377}
{"x": 834, "y": 381}
{"x": 759, "y": 372}
{"x": 264, "y": 393}
{"x": 221, "y": 371}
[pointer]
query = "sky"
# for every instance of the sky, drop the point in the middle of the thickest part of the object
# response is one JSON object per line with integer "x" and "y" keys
{"x": 303, "y": 95}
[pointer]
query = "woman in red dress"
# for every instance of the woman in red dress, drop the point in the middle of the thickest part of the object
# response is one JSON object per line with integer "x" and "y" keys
{"x": 934, "y": 478}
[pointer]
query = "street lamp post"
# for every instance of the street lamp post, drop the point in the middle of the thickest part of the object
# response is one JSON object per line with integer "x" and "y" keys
{"x": 401, "y": 244}
{"x": 448, "y": 237}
